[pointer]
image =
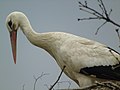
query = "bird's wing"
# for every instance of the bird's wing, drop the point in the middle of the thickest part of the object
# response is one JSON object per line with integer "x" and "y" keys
{"x": 104, "y": 72}
{"x": 91, "y": 58}
{"x": 109, "y": 72}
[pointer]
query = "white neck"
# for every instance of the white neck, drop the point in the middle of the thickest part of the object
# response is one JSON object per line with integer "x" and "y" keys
{"x": 42, "y": 40}
{"x": 26, "y": 27}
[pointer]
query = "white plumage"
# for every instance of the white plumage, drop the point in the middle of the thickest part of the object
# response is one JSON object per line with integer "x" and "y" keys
{"x": 86, "y": 61}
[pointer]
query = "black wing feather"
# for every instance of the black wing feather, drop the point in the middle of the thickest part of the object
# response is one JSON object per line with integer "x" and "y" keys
{"x": 103, "y": 72}
{"x": 113, "y": 50}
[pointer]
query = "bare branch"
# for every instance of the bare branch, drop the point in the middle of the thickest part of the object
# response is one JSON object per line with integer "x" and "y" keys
{"x": 111, "y": 51}
{"x": 100, "y": 27}
{"x": 85, "y": 3}
{"x": 58, "y": 78}
{"x": 36, "y": 79}
{"x": 91, "y": 10}
{"x": 23, "y": 87}
{"x": 92, "y": 13}
{"x": 98, "y": 15}
{"x": 87, "y": 18}
{"x": 110, "y": 12}
{"x": 101, "y": 8}
{"x": 105, "y": 11}
{"x": 118, "y": 34}
{"x": 46, "y": 86}
{"x": 69, "y": 83}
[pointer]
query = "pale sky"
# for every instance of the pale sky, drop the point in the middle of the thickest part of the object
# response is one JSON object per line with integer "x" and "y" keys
{"x": 47, "y": 16}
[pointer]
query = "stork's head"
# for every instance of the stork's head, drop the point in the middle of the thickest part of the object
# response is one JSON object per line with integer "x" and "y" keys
{"x": 12, "y": 23}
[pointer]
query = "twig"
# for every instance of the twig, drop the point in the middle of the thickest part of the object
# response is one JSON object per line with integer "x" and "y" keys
{"x": 46, "y": 86}
{"x": 118, "y": 34}
{"x": 110, "y": 12}
{"x": 90, "y": 10}
{"x": 105, "y": 11}
{"x": 36, "y": 79}
{"x": 87, "y": 18}
{"x": 110, "y": 49}
{"x": 117, "y": 65}
{"x": 98, "y": 15}
{"x": 69, "y": 83}
{"x": 23, "y": 86}
{"x": 100, "y": 27}
{"x": 57, "y": 79}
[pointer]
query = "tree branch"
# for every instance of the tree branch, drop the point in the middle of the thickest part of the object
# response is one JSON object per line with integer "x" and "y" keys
{"x": 58, "y": 78}
{"x": 100, "y": 27}
{"x": 118, "y": 34}
{"x": 69, "y": 83}
{"x": 36, "y": 79}
{"x": 23, "y": 86}
{"x": 89, "y": 18}
{"x": 98, "y": 15}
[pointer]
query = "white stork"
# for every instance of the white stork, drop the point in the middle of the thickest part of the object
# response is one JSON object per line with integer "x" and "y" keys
{"x": 86, "y": 61}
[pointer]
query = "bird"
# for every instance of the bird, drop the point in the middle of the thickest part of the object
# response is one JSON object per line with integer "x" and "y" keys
{"x": 86, "y": 61}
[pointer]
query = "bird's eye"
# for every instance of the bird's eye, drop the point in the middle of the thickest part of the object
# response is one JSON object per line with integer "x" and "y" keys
{"x": 10, "y": 24}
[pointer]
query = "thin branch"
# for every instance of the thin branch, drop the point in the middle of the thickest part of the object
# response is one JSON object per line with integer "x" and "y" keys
{"x": 36, "y": 79}
{"x": 110, "y": 12}
{"x": 90, "y": 9}
{"x": 46, "y": 86}
{"x": 101, "y": 8}
{"x": 100, "y": 27}
{"x": 105, "y": 11}
{"x": 98, "y": 15}
{"x": 58, "y": 78}
{"x": 89, "y": 18}
{"x": 23, "y": 87}
{"x": 117, "y": 65}
{"x": 118, "y": 34}
{"x": 69, "y": 83}
{"x": 92, "y": 13}
{"x": 113, "y": 54}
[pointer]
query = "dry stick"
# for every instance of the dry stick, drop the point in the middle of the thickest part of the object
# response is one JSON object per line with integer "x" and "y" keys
{"x": 57, "y": 79}
{"x": 100, "y": 27}
{"x": 110, "y": 12}
{"x": 69, "y": 83}
{"x": 105, "y": 16}
{"x": 110, "y": 49}
{"x": 104, "y": 9}
{"x": 46, "y": 86}
{"x": 88, "y": 18}
{"x": 117, "y": 30}
{"x": 118, "y": 65}
{"x": 102, "y": 24}
{"x": 96, "y": 13}
{"x": 101, "y": 7}
{"x": 36, "y": 79}
{"x": 23, "y": 86}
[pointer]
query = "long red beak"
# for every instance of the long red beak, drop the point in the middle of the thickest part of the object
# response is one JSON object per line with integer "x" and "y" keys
{"x": 13, "y": 38}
